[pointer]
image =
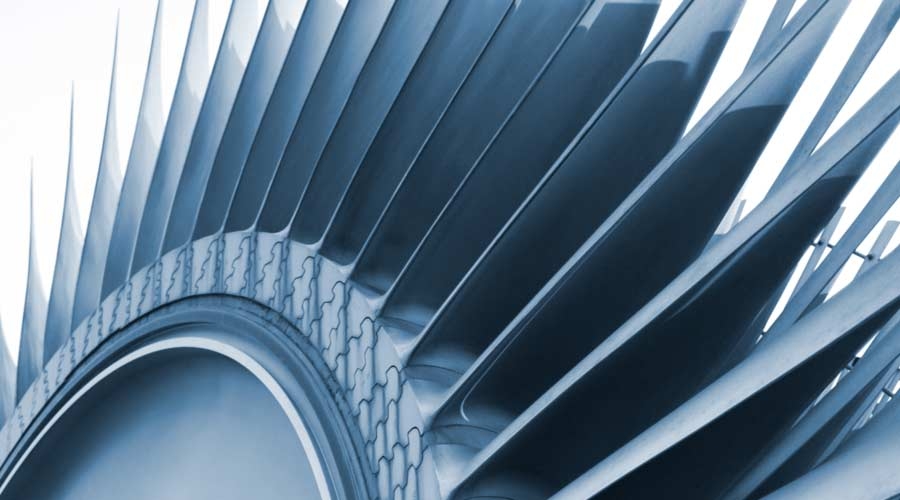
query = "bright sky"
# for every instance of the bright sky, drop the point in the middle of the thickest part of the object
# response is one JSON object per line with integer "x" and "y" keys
{"x": 48, "y": 45}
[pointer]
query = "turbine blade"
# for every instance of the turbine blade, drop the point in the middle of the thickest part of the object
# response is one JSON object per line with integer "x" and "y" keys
{"x": 809, "y": 289}
{"x": 407, "y": 30}
{"x": 511, "y": 62}
{"x": 561, "y": 100}
{"x": 883, "y": 21}
{"x": 256, "y": 86}
{"x": 677, "y": 341}
{"x": 224, "y": 83}
{"x": 360, "y": 26}
{"x": 68, "y": 257}
{"x": 314, "y": 34}
{"x": 34, "y": 315}
{"x": 144, "y": 150}
{"x": 446, "y": 62}
{"x": 860, "y": 468}
{"x": 107, "y": 188}
{"x": 716, "y": 422}
{"x": 193, "y": 81}
{"x": 827, "y": 423}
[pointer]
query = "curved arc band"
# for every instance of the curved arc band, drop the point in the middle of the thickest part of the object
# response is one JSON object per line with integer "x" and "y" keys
{"x": 291, "y": 294}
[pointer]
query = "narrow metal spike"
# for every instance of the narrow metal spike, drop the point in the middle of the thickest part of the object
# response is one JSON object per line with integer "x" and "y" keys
{"x": 256, "y": 87}
{"x": 34, "y": 314}
{"x": 881, "y": 25}
{"x": 812, "y": 287}
{"x": 235, "y": 48}
{"x": 773, "y": 27}
{"x": 68, "y": 256}
{"x": 103, "y": 210}
{"x": 360, "y": 26}
{"x": 405, "y": 34}
{"x": 144, "y": 150}
{"x": 182, "y": 120}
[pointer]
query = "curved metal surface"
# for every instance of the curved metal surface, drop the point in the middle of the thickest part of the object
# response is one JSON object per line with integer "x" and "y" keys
{"x": 465, "y": 249}
{"x": 610, "y": 36}
{"x": 30, "y": 357}
{"x": 103, "y": 211}
{"x": 450, "y": 56}
{"x": 284, "y": 389}
{"x": 136, "y": 184}
{"x": 350, "y": 47}
{"x": 68, "y": 257}
{"x": 116, "y": 451}
{"x": 225, "y": 85}
{"x": 532, "y": 32}
{"x": 192, "y": 84}
{"x": 308, "y": 49}
{"x": 407, "y": 30}
{"x": 260, "y": 77}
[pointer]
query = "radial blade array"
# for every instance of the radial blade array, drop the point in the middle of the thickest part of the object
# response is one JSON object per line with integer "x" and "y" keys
{"x": 34, "y": 315}
{"x": 68, "y": 258}
{"x": 136, "y": 184}
{"x": 399, "y": 45}
{"x": 525, "y": 267}
{"x": 192, "y": 84}
{"x": 223, "y": 93}
{"x": 103, "y": 210}
{"x": 261, "y": 74}
{"x": 356, "y": 36}
{"x": 497, "y": 84}
{"x": 301, "y": 65}
{"x": 451, "y": 55}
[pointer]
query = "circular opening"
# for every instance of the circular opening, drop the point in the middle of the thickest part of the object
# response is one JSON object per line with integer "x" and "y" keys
{"x": 197, "y": 401}
{"x": 183, "y": 423}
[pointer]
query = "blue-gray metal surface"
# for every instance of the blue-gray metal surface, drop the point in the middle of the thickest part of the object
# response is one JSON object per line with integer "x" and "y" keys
{"x": 749, "y": 391}
{"x": 469, "y": 248}
{"x": 226, "y": 88}
{"x": 103, "y": 211}
{"x": 813, "y": 284}
{"x": 68, "y": 257}
{"x": 883, "y": 22}
{"x": 136, "y": 184}
{"x": 311, "y": 41}
{"x": 559, "y": 102}
{"x": 465, "y": 31}
{"x": 406, "y": 32}
{"x": 532, "y": 33}
{"x": 30, "y": 357}
{"x": 691, "y": 330}
{"x": 182, "y": 119}
{"x": 7, "y": 387}
{"x": 357, "y": 34}
{"x": 263, "y": 68}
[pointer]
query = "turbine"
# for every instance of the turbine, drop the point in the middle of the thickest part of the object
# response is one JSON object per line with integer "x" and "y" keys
{"x": 472, "y": 246}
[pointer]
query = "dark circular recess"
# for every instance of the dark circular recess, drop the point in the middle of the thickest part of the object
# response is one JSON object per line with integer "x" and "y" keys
{"x": 226, "y": 355}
